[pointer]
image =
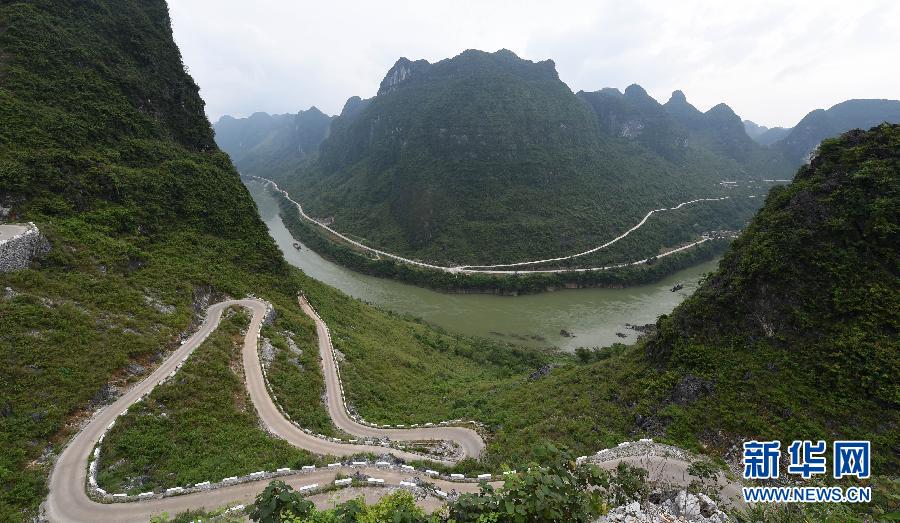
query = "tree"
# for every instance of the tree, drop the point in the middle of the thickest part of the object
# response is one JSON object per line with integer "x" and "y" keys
{"x": 560, "y": 490}
{"x": 279, "y": 502}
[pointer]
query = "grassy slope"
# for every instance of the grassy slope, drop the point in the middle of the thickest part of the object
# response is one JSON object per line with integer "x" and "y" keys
{"x": 198, "y": 426}
{"x": 818, "y": 265}
{"x": 104, "y": 145}
{"x": 137, "y": 202}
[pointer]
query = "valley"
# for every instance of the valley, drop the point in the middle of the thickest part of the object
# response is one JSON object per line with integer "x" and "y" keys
{"x": 597, "y": 317}
{"x": 475, "y": 290}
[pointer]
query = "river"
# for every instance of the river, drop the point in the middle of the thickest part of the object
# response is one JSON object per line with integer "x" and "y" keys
{"x": 595, "y": 317}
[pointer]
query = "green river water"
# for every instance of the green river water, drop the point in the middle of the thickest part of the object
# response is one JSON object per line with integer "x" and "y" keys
{"x": 593, "y": 316}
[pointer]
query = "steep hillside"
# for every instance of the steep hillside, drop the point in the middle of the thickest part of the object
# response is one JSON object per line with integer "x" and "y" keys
{"x": 795, "y": 336}
{"x": 267, "y": 144}
{"x": 104, "y": 144}
{"x": 487, "y": 158}
{"x": 826, "y": 123}
{"x": 721, "y": 131}
{"x": 800, "y": 323}
{"x": 635, "y": 115}
{"x": 712, "y": 141}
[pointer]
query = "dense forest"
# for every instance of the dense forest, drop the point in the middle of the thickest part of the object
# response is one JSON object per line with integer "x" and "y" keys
{"x": 488, "y": 158}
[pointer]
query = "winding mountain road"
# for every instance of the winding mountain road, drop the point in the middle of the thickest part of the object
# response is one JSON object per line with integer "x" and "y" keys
{"x": 469, "y": 441}
{"x": 68, "y": 500}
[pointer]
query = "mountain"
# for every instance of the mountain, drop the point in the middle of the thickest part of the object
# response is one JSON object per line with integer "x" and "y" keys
{"x": 677, "y": 129}
{"x": 486, "y": 157}
{"x": 794, "y": 336}
{"x": 764, "y": 135}
{"x": 264, "y": 143}
{"x": 104, "y": 144}
{"x": 635, "y": 115}
{"x": 824, "y": 123}
{"x": 806, "y": 296}
{"x": 721, "y": 131}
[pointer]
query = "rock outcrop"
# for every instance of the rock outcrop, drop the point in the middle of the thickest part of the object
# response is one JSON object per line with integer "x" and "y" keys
{"x": 680, "y": 506}
{"x": 403, "y": 69}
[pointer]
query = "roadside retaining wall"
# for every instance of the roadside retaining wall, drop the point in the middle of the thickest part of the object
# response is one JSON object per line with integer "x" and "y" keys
{"x": 17, "y": 252}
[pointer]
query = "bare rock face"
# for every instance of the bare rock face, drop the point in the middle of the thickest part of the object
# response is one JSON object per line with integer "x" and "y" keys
{"x": 541, "y": 372}
{"x": 675, "y": 507}
{"x": 689, "y": 389}
{"x": 19, "y": 245}
{"x": 400, "y": 72}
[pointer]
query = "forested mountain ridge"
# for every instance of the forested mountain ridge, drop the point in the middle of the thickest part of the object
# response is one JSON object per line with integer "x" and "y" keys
{"x": 487, "y": 158}
{"x": 269, "y": 144}
{"x": 677, "y": 130}
{"x": 801, "y": 141}
{"x": 104, "y": 144}
{"x": 794, "y": 336}
{"x": 807, "y": 295}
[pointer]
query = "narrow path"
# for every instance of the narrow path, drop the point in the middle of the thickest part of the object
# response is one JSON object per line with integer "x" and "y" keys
{"x": 8, "y": 231}
{"x": 469, "y": 441}
{"x": 494, "y": 269}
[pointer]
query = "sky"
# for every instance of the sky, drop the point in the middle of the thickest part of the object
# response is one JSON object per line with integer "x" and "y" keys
{"x": 771, "y": 61}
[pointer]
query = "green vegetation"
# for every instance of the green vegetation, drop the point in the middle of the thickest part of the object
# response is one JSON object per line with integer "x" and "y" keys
{"x": 349, "y": 256}
{"x": 199, "y": 426}
{"x": 885, "y": 506}
{"x": 404, "y": 371}
{"x": 104, "y": 145}
{"x": 824, "y": 123}
{"x": 807, "y": 296}
{"x": 558, "y": 492}
{"x": 554, "y": 490}
{"x": 269, "y": 144}
{"x": 295, "y": 376}
{"x": 488, "y": 158}
{"x": 192, "y": 516}
{"x": 280, "y": 503}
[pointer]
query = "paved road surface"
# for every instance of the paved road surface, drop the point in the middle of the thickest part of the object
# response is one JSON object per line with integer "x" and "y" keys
{"x": 7, "y": 231}
{"x": 68, "y": 500}
{"x": 468, "y": 440}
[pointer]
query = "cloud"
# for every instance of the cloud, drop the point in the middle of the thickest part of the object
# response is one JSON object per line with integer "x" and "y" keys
{"x": 771, "y": 61}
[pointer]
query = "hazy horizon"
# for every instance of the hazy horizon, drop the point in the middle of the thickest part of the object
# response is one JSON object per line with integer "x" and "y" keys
{"x": 771, "y": 63}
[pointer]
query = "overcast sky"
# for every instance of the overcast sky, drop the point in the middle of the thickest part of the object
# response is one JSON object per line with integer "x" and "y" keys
{"x": 772, "y": 62}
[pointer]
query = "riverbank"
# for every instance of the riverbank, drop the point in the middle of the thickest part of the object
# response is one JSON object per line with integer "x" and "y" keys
{"x": 514, "y": 284}
{"x": 595, "y": 317}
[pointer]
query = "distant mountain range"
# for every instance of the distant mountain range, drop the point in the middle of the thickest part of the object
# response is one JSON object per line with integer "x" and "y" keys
{"x": 486, "y": 158}
{"x": 266, "y": 143}
{"x": 820, "y": 124}
{"x": 765, "y": 135}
